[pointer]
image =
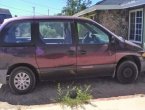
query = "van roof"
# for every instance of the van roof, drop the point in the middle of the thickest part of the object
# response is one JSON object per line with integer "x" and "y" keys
{"x": 45, "y": 17}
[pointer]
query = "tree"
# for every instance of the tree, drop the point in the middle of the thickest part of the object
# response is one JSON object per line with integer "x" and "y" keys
{"x": 74, "y": 6}
{"x": 16, "y": 16}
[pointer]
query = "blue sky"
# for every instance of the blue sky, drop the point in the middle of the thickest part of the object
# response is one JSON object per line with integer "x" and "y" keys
{"x": 25, "y": 7}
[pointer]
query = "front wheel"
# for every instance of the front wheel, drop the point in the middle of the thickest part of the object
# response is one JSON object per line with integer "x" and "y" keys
{"x": 22, "y": 80}
{"x": 127, "y": 72}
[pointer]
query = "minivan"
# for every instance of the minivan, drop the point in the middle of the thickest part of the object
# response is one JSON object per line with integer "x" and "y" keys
{"x": 51, "y": 48}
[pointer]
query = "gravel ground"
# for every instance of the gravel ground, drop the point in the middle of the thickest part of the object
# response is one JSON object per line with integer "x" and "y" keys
{"x": 46, "y": 92}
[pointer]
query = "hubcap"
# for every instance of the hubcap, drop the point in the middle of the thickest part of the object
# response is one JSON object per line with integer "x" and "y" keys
{"x": 22, "y": 81}
{"x": 127, "y": 72}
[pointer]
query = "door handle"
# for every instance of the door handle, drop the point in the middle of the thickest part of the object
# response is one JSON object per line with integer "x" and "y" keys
{"x": 71, "y": 52}
{"x": 82, "y": 52}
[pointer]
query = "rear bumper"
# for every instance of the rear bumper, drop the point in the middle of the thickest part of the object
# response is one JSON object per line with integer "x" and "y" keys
{"x": 3, "y": 76}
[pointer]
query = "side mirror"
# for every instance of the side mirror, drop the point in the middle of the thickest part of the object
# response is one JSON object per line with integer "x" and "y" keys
{"x": 112, "y": 40}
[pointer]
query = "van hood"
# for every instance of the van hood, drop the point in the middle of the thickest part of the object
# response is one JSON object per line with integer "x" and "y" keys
{"x": 133, "y": 46}
{"x": 130, "y": 45}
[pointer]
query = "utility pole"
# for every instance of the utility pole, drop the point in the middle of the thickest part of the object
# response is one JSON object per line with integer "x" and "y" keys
{"x": 48, "y": 12}
{"x": 33, "y": 11}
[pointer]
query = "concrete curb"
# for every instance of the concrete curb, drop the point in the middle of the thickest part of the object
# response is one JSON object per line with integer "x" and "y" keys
{"x": 133, "y": 102}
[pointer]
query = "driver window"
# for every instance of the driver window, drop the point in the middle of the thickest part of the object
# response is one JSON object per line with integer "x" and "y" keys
{"x": 90, "y": 34}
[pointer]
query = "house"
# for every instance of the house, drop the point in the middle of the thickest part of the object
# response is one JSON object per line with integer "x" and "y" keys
{"x": 125, "y": 18}
{"x": 4, "y": 13}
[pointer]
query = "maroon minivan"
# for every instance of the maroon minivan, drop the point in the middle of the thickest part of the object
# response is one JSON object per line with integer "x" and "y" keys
{"x": 51, "y": 48}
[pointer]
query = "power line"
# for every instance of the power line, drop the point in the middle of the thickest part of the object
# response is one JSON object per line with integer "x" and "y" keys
{"x": 40, "y": 5}
{"x": 13, "y": 7}
{"x": 18, "y": 9}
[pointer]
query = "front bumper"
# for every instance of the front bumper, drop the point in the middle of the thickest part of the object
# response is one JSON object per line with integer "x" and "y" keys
{"x": 142, "y": 64}
{"x": 3, "y": 76}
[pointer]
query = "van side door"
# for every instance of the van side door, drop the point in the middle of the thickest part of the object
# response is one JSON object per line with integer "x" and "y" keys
{"x": 55, "y": 49}
{"x": 95, "y": 54}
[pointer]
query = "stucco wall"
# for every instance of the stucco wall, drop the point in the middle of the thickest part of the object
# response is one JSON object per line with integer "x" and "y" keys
{"x": 114, "y": 20}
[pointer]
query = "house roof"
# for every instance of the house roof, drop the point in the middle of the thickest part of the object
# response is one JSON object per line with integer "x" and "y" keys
{"x": 112, "y": 5}
{"x": 97, "y": 7}
{"x": 112, "y": 2}
{"x": 4, "y": 11}
{"x": 133, "y": 3}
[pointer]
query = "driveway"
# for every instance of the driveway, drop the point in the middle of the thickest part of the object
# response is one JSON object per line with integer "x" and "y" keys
{"x": 46, "y": 92}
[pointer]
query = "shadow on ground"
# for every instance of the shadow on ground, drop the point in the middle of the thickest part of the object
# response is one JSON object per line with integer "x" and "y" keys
{"x": 46, "y": 92}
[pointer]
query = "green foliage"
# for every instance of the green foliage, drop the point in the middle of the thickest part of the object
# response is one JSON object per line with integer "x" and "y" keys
{"x": 75, "y": 97}
{"x": 47, "y": 31}
{"x": 82, "y": 30}
{"x": 74, "y": 6}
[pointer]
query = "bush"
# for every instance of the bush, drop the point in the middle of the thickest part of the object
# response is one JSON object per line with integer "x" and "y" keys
{"x": 75, "y": 97}
{"x": 48, "y": 32}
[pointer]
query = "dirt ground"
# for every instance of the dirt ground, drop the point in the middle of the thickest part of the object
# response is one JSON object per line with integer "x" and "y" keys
{"x": 46, "y": 92}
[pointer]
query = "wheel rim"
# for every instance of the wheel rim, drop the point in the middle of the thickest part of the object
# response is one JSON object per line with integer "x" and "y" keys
{"x": 22, "y": 81}
{"x": 127, "y": 72}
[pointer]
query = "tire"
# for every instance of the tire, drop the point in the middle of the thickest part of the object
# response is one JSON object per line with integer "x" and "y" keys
{"x": 22, "y": 80}
{"x": 127, "y": 72}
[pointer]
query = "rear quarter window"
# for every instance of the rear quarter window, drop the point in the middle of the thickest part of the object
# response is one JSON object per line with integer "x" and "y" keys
{"x": 18, "y": 33}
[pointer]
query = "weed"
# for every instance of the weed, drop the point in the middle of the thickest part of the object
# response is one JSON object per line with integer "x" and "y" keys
{"x": 74, "y": 97}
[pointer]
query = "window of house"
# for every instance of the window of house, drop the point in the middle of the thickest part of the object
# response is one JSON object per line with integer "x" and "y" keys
{"x": 136, "y": 25}
{"x": 18, "y": 33}
{"x": 55, "y": 32}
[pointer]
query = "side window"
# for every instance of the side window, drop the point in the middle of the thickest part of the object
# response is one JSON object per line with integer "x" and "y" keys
{"x": 18, "y": 33}
{"x": 91, "y": 34}
{"x": 55, "y": 32}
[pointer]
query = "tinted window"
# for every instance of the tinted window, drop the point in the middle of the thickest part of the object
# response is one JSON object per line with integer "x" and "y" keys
{"x": 55, "y": 32}
{"x": 91, "y": 34}
{"x": 18, "y": 33}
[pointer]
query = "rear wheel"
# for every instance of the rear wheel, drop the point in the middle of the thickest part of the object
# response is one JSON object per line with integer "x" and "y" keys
{"x": 127, "y": 72}
{"x": 22, "y": 80}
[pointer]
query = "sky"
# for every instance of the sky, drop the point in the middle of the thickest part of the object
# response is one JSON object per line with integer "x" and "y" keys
{"x": 41, "y": 7}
